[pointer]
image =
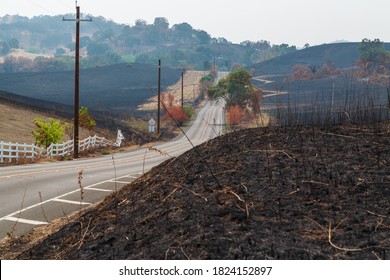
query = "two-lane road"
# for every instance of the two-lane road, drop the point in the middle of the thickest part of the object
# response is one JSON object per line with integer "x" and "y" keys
{"x": 35, "y": 194}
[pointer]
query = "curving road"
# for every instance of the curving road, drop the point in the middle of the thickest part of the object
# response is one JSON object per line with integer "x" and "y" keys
{"x": 36, "y": 194}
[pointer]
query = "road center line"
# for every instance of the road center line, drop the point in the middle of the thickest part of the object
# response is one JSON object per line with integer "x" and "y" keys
{"x": 88, "y": 166}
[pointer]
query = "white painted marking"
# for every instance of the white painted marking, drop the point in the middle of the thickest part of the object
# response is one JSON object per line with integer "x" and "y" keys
{"x": 120, "y": 182}
{"x": 25, "y": 221}
{"x": 71, "y": 201}
{"x": 99, "y": 190}
{"x": 58, "y": 197}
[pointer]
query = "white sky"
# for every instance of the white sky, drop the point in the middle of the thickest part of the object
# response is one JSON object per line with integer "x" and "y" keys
{"x": 294, "y": 22}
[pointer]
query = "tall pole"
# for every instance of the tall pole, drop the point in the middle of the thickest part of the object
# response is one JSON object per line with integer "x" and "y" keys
{"x": 159, "y": 97}
{"x": 182, "y": 89}
{"x": 77, "y": 86}
{"x": 77, "y": 82}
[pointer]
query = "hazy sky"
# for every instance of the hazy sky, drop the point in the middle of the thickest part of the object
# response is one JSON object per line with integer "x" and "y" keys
{"x": 294, "y": 22}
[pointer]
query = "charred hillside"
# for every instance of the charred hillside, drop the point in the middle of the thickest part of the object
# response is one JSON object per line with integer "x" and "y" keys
{"x": 274, "y": 193}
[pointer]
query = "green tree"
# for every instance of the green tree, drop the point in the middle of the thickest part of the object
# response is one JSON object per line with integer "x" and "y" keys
{"x": 4, "y": 48}
{"x": 95, "y": 48}
{"x": 85, "y": 119}
{"x": 161, "y": 23}
{"x": 237, "y": 89}
{"x": 374, "y": 59}
{"x": 203, "y": 37}
{"x": 60, "y": 51}
{"x": 140, "y": 23}
{"x": 13, "y": 43}
{"x": 48, "y": 132}
{"x": 372, "y": 51}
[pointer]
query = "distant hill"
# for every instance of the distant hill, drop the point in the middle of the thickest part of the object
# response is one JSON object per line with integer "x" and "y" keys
{"x": 117, "y": 88}
{"x": 316, "y": 100}
{"x": 344, "y": 55}
{"x": 105, "y": 42}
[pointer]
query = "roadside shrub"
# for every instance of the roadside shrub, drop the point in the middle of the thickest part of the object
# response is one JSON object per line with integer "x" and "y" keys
{"x": 234, "y": 115}
{"x": 85, "y": 119}
{"x": 177, "y": 113}
{"x": 189, "y": 111}
{"x": 48, "y": 132}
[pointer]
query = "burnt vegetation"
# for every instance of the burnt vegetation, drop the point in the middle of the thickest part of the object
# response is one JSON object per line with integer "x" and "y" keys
{"x": 314, "y": 184}
{"x": 283, "y": 193}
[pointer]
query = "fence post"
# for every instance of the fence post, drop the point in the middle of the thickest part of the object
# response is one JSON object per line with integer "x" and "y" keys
{"x": 1, "y": 152}
{"x": 119, "y": 138}
{"x": 8, "y": 151}
{"x": 49, "y": 151}
{"x": 25, "y": 150}
{"x": 33, "y": 151}
{"x": 70, "y": 147}
{"x": 17, "y": 151}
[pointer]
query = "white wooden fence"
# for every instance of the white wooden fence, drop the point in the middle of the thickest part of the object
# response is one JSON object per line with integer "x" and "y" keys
{"x": 16, "y": 151}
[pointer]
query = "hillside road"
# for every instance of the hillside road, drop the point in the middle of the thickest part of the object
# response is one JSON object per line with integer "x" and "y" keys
{"x": 36, "y": 194}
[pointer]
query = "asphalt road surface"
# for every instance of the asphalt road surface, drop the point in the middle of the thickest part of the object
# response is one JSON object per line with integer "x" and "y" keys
{"x": 33, "y": 195}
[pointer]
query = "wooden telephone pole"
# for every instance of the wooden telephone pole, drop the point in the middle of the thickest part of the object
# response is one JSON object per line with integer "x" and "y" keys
{"x": 182, "y": 89}
{"x": 77, "y": 82}
{"x": 159, "y": 98}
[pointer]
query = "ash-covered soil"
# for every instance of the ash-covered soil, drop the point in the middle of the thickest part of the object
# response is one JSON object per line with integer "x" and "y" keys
{"x": 270, "y": 193}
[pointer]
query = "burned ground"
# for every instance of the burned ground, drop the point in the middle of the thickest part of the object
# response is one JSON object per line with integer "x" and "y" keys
{"x": 116, "y": 88}
{"x": 270, "y": 193}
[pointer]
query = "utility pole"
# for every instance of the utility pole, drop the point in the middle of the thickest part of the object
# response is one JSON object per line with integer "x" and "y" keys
{"x": 159, "y": 97}
{"x": 77, "y": 82}
{"x": 182, "y": 89}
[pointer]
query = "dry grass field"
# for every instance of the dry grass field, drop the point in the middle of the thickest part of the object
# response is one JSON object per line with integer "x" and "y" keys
{"x": 191, "y": 92}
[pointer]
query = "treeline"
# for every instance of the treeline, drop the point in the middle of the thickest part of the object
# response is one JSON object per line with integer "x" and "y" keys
{"x": 105, "y": 42}
{"x": 374, "y": 62}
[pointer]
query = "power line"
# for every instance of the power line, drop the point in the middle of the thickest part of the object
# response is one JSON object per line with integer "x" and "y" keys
{"x": 47, "y": 10}
{"x": 105, "y": 34}
{"x": 41, "y": 7}
{"x": 65, "y": 4}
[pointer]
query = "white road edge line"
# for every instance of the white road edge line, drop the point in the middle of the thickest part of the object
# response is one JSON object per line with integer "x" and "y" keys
{"x": 52, "y": 199}
{"x": 120, "y": 182}
{"x": 25, "y": 221}
{"x": 100, "y": 190}
{"x": 71, "y": 201}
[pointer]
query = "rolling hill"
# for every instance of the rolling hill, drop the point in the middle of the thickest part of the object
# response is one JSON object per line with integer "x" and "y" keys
{"x": 105, "y": 42}
{"x": 344, "y": 55}
{"x": 332, "y": 98}
{"x": 273, "y": 193}
{"x": 115, "y": 88}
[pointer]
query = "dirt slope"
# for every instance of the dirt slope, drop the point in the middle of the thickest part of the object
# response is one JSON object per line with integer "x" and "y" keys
{"x": 16, "y": 123}
{"x": 274, "y": 193}
{"x": 191, "y": 92}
